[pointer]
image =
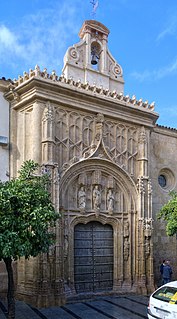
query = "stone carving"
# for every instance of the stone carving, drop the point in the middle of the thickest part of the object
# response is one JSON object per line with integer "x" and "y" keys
{"x": 96, "y": 198}
{"x": 96, "y": 177}
{"x": 147, "y": 228}
{"x": 85, "y": 141}
{"x": 82, "y": 198}
{"x": 56, "y": 175}
{"x": 74, "y": 53}
{"x": 147, "y": 247}
{"x": 100, "y": 118}
{"x": 62, "y": 79}
{"x": 48, "y": 114}
{"x": 117, "y": 70}
{"x": 126, "y": 229}
{"x": 90, "y": 150}
{"x": 65, "y": 246}
{"x": 110, "y": 201}
{"x": 142, "y": 136}
{"x": 126, "y": 248}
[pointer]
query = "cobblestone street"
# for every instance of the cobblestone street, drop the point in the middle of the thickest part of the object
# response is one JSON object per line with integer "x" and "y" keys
{"x": 113, "y": 307}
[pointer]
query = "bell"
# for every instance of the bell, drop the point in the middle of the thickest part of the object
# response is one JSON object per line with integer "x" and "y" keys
{"x": 94, "y": 59}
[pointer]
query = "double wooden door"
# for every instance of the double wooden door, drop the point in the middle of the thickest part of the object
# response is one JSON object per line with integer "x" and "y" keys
{"x": 93, "y": 257}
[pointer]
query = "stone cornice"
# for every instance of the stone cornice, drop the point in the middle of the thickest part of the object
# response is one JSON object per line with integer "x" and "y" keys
{"x": 4, "y": 85}
{"x": 165, "y": 130}
{"x": 93, "y": 24}
{"x": 33, "y": 85}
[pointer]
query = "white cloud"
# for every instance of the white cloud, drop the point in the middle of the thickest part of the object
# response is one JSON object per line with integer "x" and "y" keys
{"x": 170, "y": 29}
{"x": 9, "y": 42}
{"x": 155, "y": 74}
{"x": 41, "y": 38}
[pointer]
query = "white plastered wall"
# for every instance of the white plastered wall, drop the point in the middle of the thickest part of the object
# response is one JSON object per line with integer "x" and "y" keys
{"x": 4, "y": 131}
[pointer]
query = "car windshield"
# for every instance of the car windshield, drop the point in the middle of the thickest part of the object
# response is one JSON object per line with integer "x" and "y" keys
{"x": 168, "y": 294}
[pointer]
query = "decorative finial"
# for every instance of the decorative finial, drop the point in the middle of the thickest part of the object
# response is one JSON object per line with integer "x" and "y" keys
{"x": 95, "y": 4}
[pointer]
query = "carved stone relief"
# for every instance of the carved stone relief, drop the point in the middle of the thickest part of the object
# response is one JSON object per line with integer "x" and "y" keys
{"x": 147, "y": 247}
{"x": 110, "y": 201}
{"x": 91, "y": 192}
{"x": 126, "y": 229}
{"x": 96, "y": 198}
{"x": 126, "y": 234}
{"x": 126, "y": 248}
{"x": 77, "y": 136}
{"x": 82, "y": 199}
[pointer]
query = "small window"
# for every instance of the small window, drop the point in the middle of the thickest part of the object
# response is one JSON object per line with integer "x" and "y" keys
{"x": 166, "y": 179}
{"x": 162, "y": 181}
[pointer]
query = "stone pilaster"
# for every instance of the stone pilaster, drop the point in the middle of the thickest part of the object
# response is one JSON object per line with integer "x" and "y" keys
{"x": 36, "y": 132}
{"x": 48, "y": 134}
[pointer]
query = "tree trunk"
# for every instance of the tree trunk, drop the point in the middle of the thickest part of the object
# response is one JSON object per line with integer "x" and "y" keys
{"x": 10, "y": 293}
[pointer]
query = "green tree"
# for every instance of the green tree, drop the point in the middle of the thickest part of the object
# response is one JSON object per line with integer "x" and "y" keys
{"x": 169, "y": 213}
{"x": 27, "y": 217}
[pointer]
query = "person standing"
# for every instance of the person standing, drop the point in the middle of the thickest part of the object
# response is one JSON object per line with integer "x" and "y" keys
{"x": 161, "y": 267}
{"x": 166, "y": 272}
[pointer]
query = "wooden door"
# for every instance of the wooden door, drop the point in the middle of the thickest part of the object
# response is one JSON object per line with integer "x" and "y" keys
{"x": 93, "y": 257}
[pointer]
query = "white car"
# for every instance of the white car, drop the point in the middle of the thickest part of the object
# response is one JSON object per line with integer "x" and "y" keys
{"x": 163, "y": 302}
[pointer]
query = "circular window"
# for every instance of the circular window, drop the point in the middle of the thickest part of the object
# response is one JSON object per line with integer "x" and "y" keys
{"x": 162, "y": 180}
{"x": 166, "y": 179}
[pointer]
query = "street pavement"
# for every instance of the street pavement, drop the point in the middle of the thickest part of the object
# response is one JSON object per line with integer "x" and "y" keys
{"x": 113, "y": 307}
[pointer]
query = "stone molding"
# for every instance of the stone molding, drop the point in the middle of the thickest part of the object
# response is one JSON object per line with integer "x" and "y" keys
{"x": 92, "y": 89}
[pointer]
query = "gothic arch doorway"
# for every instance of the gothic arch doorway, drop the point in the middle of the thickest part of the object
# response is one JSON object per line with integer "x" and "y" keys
{"x": 93, "y": 257}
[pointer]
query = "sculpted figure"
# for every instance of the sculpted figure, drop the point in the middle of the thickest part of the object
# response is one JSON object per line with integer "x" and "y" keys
{"x": 82, "y": 198}
{"x": 110, "y": 200}
{"x": 126, "y": 229}
{"x": 147, "y": 247}
{"x": 65, "y": 246}
{"x": 96, "y": 198}
{"x": 126, "y": 248}
{"x": 147, "y": 228}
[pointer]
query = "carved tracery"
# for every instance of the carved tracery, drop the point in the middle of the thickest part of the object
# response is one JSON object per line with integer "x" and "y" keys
{"x": 78, "y": 136}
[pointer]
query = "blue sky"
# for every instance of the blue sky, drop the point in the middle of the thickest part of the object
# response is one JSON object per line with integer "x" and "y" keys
{"x": 143, "y": 40}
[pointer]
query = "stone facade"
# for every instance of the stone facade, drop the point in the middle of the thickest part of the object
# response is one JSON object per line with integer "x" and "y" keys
{"x": 104, "y": 153}
{"x": 4, "y": 156}
{"x": 4, "y": 132}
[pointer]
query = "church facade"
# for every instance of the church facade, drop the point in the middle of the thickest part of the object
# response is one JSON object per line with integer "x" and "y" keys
{"x": 111, "y": 168}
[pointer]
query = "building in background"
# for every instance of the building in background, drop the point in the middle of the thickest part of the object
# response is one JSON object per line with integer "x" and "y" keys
{"x": 111, "y": 168}
{"x": 4, "y": 155}
{"x": 4, "y": 131}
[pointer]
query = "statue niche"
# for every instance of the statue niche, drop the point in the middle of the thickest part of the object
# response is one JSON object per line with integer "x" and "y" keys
{"x": 82, "y": 199}
{"x": 96, "y": 198}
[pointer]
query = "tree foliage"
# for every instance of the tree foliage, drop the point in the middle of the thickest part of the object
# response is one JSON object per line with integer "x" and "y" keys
{"x": 27, "y": 218}
{"x": 169, "y": 213}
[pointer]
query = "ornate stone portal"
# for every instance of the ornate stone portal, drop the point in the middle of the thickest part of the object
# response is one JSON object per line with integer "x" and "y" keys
{"x": 94, "y": 144}
{"x": 96, "y": 189}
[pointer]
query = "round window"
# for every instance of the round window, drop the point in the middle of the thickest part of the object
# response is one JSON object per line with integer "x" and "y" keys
{"x": 162, "y": 180}
{"x": 166, "y": 179}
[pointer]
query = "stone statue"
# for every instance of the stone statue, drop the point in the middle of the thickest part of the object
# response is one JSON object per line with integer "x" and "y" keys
{"x": 126, "y": 229}
{"x": 126, "y": 248}
{"x": 82, "y": 198}
{"x": 147, "y": 247}
{"x": 66, "y": 246}
{"x": 110, "y": 200}
{"x": 147, "y": 228}
{"x": 96, "y": 198}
